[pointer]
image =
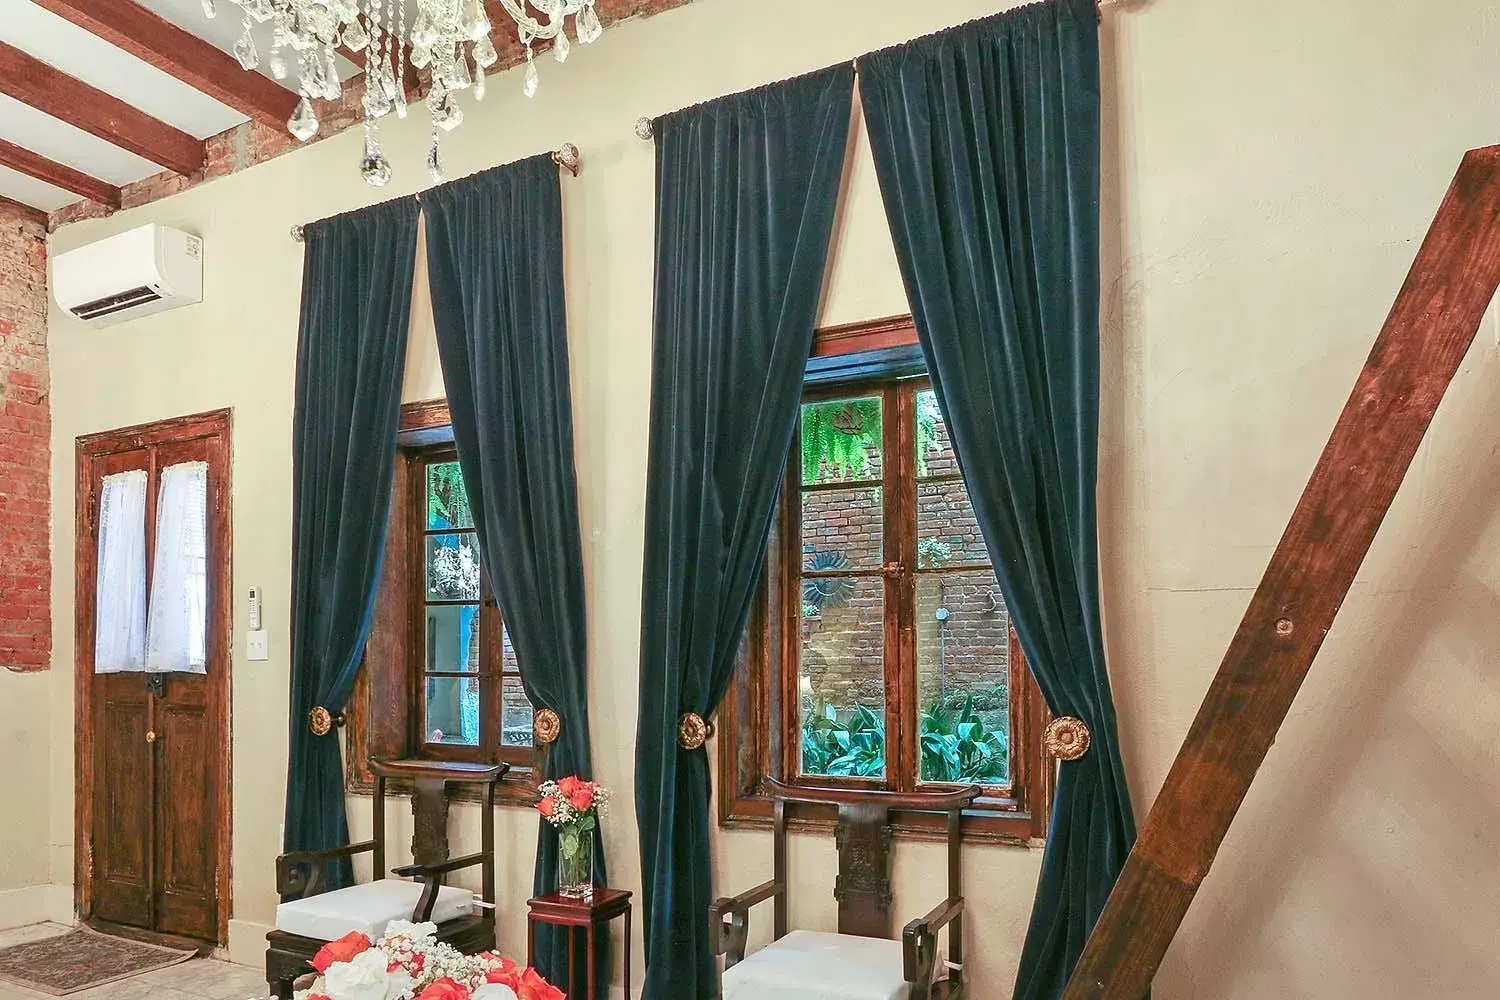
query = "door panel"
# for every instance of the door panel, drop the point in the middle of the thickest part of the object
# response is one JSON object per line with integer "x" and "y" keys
{"x": 186, "y": 796}
{"x": 122, "y": 838}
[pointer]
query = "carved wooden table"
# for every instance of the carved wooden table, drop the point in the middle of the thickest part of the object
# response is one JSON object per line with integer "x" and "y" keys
{"x": 564, "y": 911}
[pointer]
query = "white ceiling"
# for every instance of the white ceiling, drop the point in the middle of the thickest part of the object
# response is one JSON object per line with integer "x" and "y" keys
{"x": 73, "y": 50}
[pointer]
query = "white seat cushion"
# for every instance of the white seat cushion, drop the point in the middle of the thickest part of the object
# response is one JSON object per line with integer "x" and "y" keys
{"x": 808, "y": 965}
{"x": 368, "y": 908}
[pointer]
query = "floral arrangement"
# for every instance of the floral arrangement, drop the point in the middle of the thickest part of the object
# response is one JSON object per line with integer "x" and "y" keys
{"x": 573, "y": 806}
{"x": 409, "y": 963}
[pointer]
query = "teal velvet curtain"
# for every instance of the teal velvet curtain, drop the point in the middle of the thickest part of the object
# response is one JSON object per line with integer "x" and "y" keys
{"x": 986, "y": 141}
{"x": 746, "y": 190}
{"x": 351, "y": 353}
{"x": 495, "y": 264}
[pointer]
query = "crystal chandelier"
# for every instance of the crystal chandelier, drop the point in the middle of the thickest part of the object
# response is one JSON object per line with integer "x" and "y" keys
{"x": 448, "y": 38}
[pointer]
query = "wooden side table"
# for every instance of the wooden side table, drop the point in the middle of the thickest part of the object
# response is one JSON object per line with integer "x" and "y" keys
{"x": 564, "y": 911}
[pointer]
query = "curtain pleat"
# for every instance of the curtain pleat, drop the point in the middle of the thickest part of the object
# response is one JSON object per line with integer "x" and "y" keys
{"x": 986, "y": 142}
{"x": 746, "y": 192}
{"x": 351, "y": 351}
{"x": 495, "y": 264}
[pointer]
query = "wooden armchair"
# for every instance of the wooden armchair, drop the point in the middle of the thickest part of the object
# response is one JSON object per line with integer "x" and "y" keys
{"x": 857, "y": 963}
{"x": 310, "y": 918}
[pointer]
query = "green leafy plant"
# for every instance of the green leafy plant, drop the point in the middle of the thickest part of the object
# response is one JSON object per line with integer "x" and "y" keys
{"x": 932, "y": 553}
{"x": 447, "y": 498}
{"x": 958, "y": 746}
{"x": 839, "y": 436}
{"x": 855, "y": 746}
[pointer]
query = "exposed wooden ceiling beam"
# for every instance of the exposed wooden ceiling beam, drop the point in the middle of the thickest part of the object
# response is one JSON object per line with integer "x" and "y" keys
{"x": 58, "y": 175}
{"x": 153, "y": 39}
{"x": 49, "y": 90}
{"x": 15, "y": 208}
{"x": 1430, "y": 328}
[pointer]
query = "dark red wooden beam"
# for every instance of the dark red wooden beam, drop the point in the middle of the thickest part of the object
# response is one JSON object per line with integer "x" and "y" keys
{"x": 145, "y": 35}
{"x": 1429, "y": 331}
{"x": 24, "y": 211}
{"x": 49, "y": 90}
{"x": 58, "y": 175}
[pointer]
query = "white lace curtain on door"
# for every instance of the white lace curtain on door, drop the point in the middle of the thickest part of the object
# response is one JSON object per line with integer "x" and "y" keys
{"x": 120, "y": 575}
{"x": 178, "y": 616}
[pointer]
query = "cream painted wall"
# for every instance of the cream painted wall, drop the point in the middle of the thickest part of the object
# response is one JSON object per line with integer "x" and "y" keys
{"x": 1269, "y": 169}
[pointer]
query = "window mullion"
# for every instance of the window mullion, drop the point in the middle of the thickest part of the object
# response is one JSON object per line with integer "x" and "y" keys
{"x": 900, "y": 548}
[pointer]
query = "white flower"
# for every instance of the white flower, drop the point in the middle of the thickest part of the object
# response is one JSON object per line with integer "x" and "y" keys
{"x": 493, "y": 991}
{"x": 425, "y": 931}
{"x": 362, "y": 978}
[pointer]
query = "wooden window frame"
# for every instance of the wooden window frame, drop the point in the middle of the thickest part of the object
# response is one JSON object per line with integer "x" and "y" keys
{"x": 385, "y": 716}
{"x": 761, "y": 702}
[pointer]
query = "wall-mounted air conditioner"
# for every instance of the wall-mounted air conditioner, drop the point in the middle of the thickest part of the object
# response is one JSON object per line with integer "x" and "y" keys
{"x": 139, "y": 272}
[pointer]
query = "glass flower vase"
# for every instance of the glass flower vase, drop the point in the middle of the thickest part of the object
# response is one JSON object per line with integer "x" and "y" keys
{"x": 575, "y": 862}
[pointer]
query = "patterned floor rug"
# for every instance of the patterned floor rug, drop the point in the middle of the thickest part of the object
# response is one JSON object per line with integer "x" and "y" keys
{"x": 80, "y": 959}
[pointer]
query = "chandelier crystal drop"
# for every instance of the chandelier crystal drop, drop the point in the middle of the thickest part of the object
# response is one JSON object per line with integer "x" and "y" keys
{"x": 449, "y": 41}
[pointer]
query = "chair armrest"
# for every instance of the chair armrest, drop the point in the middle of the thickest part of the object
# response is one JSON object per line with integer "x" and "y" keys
{"x": 730, "y": 936}
{"x": 294, "y": 878}
{"x": 432, "y": 880}
{"x": 440, "y": 868}
{"x": 919, "y": 946}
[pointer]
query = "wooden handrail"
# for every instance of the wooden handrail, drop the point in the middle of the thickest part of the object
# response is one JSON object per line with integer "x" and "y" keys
{"x": 1429, "y": 331}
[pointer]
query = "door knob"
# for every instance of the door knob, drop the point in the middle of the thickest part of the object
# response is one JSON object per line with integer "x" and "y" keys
{"x": 151, "y": 736}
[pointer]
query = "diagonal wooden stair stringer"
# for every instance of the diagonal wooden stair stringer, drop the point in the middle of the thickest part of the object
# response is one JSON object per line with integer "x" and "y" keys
{"x": 1430, "y": 329}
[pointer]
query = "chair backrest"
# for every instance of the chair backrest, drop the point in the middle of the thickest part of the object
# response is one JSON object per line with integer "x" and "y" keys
{"x": 863, "y": 839}
{"x": 429, "y": 805}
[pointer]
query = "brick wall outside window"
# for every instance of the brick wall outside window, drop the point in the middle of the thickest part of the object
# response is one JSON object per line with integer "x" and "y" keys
{"x": 25, "y": 450}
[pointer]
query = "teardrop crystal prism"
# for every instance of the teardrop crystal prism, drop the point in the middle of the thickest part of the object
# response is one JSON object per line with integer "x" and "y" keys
{"x": 446, "y": 114}
{"x": 484, "y": 53}
{"x": 209, "y": 10}
{"x": 373, "y": 166}
{"x": 332, "y": 88}
{"x": 420, "y": 56}
{"x": 533, "y": 80}
{"x": 278, "y": 64}
{"x": 355, "y": 37}
{"x": 587, "y": 25}
{"x": 479, "y": 83}
{"x": 434, "y": 162}
{"x": 561, "y": 47}
{"x": 244, "y": 49}
{"x": 304, "y": 121}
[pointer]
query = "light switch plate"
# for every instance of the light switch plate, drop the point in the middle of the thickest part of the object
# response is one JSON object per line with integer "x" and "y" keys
{"x": 260, "y": 645}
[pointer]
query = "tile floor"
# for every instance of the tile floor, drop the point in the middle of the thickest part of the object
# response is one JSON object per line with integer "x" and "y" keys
{"x": 198, "y": 979}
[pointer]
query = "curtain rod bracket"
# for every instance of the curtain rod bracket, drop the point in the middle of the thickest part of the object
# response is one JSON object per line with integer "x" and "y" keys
{"x": 567, "y": 156}
{"x": 644, "y": 130}
{"x": 299, "y": 234}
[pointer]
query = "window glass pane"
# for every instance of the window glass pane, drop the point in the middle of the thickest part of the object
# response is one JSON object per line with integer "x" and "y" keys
{"x": 841, "y": 440}
{"x": 515, "y": 713}
{"x": 935, "y": 456}
{"x": 841, "y": 680}
{"x": 453, "y": 567}
{"x": 447, "y": 500}
{"x": 453, "y": 637}
{"x": 947, "y": 530}
{"x": 963, "y": 678}
{"x": 842, "y": 529}
{"x": 453, "y": 710}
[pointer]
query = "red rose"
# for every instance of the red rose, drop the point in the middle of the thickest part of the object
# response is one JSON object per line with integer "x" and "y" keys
{"x": 342, "y": 950}
{"x": 547, "y": 807}
{"x": 569, "y": 785}
{"x": 534, "y": 987}
{"x": 443, "y": 989}
{"x": 582, "y": 799}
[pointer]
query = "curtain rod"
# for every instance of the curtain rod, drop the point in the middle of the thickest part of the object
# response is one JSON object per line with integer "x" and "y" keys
{"x": 566, "y": 156}
{"x": 645, "y": 129}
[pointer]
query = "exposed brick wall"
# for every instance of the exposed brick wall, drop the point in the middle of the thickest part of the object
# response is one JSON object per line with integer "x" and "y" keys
{"x": 252, "y": 143}
{"x": 25, "y": 449}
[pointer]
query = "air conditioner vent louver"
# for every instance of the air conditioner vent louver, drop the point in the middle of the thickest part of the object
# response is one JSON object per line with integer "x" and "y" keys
{"x": 140, "y": 272}
{"x": 114, "y": 303}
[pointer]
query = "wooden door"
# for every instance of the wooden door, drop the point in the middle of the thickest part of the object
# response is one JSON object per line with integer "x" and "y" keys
{"x": 153, "y": 756}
